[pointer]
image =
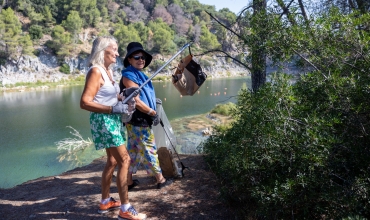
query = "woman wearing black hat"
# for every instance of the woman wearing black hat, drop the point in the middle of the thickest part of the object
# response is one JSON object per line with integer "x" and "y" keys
{"x": 141, "y": 145}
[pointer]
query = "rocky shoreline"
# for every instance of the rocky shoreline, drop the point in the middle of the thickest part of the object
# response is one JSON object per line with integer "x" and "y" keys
{"x": 46, "y": 68}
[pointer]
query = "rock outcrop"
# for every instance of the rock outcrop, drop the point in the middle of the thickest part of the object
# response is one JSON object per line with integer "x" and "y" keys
{"x": 45, "y": 68}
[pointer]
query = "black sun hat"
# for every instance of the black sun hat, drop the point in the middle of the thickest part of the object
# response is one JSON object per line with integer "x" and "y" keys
{"x": 133, "y": 47}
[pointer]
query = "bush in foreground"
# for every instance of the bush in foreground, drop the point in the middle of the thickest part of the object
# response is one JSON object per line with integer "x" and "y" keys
{"x": 297, "y": 151}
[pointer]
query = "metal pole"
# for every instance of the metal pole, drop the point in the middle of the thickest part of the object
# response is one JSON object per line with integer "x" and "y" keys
{"x": 136, "y": 92}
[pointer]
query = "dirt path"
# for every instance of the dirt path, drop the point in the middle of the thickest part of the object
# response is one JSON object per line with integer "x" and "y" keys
{"x": 75, "y": 195}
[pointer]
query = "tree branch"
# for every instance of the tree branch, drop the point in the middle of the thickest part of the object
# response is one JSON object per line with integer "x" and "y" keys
{"x": 306, "y": 60}
{"x": 354, "y": 67}
{"x": 227, "y": 55}
{"x": 286, "y": 11}
{"x": 303, "y": 10}
{"x": 225, "y": 26}
{"x": 242, "y": 11}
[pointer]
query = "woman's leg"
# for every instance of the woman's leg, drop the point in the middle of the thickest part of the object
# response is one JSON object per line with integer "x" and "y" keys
{"x": 107, "y": 175}
{"x": 151, "y": 161}
{"x": 134, "y": 151}
{"x": 123, "y": 160}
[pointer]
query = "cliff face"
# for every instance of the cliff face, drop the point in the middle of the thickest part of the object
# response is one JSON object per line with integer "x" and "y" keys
{"x": 45, "y": 68}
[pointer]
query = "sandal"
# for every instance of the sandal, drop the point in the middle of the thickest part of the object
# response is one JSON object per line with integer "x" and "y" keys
{"x": 134, "y": 183}
{"x": 164, "y": 184}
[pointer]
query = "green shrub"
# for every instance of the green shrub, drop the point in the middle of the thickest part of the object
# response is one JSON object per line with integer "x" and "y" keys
{"x": 64, "y": 68}
{"x": 224, "y": 109}
{"x": 301, "y": 151}
{"x": 35, "y": 32}
{"x": 156, "y": 64}
{"x": 297, "y": 151}
{"x": 80, "y": 78}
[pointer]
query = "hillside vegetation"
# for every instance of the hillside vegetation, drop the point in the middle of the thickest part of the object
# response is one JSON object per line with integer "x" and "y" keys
{"x": 67, "y": 27}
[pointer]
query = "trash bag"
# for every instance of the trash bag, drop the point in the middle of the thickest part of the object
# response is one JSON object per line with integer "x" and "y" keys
{"x": 165, "y": 141}
{"x": 188, "y": 76}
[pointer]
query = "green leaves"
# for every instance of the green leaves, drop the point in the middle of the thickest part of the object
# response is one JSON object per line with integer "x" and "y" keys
{"x": 208, "y": 40}
{"x": 125, "y": 35}
{"x": 297, "y": 148}
{"x": 73, "y": 23}
{"x": 15, "y": 43}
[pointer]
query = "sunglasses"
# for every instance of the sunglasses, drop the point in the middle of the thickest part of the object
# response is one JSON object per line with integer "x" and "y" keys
{"x": 139, "y": 57}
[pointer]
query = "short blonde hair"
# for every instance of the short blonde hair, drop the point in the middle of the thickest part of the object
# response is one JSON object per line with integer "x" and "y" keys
{"x": 98, "y": 48}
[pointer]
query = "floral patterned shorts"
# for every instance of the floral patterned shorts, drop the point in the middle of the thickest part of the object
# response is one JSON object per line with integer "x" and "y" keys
{"x": 142, "y": 149}
{"x": 107, "y": 130}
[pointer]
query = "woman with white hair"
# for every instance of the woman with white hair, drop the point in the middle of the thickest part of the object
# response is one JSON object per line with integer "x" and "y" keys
{"x": 101, "y": 97}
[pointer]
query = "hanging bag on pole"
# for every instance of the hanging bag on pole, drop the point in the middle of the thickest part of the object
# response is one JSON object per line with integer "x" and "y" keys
{"x": 188, "y": 76}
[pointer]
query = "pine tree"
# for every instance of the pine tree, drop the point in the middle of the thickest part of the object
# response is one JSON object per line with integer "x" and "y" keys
{"x": 10, "y": 30}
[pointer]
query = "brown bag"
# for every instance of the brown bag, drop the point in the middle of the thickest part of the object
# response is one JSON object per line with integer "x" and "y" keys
{"x": 167, "y": 163}
{"x": 188, "y": 76}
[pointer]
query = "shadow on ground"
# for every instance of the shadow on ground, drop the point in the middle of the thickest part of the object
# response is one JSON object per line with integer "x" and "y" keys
{"x": 75, "y": 195}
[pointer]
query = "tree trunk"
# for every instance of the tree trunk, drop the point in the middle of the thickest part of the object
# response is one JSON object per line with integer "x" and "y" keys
{"x": 363, "y": 5}
{"x": 303, "y": 10}
{"x": 258, "y": 48}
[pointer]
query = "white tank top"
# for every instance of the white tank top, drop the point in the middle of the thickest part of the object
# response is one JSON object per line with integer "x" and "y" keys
{"x": 107, "y": 94}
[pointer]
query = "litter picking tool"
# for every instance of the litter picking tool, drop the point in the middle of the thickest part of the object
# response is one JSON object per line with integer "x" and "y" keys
{"x": 137, "y": 91}
{"x": 183, "y": 167}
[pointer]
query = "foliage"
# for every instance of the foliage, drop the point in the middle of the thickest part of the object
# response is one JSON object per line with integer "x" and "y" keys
{"x": 36, "y": 18}
{"x": 162, "y": 37}
{"x": 49, "y": 20}
{"x": 73, "y": 23}
{"x": 64, "y": 68}
{"x": 208, "y": 40}
{"x": 87, "y": 11}
{"x": 25, "y": 45}
{"x": 161, "y": 26}
{"x": 300, "y": 151}
{"x": 224, "y": 109}
{"x": 10, "y": 30}
{"x": 156, "y": 64}
{"x": 284, "y": 156}
{"x": 125, "y": 35}
{"x": 35, "y": 32}
{"x": 142, "y": 30}
{"x": 61, "y": 43}
{"x": 163, "y": 42}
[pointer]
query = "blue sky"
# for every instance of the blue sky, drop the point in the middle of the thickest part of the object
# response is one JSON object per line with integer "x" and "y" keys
{"x": 234, "y": 5}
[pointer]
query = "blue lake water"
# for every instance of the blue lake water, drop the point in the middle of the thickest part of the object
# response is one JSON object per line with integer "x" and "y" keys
{"x": 32, "y": 122}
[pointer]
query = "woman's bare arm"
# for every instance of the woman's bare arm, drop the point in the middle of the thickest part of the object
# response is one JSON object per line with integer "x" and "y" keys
{"x": 93, "y": 82}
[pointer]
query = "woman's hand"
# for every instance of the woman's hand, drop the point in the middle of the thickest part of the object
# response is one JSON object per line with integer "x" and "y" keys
{"x": 121, "y": 108}
{"x": 140, "y": 105}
